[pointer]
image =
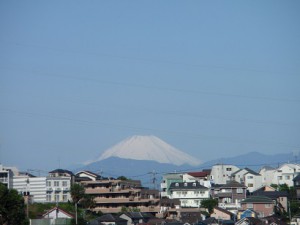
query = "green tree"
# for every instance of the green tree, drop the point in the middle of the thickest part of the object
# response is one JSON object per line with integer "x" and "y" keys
{"x": 122, "y": 178}
{"x": 77, "y": 193}
{"x": 209, "y": 204}
{"x": 12, "y": 207}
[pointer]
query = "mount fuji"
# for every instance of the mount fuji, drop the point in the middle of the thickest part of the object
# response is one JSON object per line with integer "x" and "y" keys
{"x": 148, "y": 148}
{"x": 139, "y": 157}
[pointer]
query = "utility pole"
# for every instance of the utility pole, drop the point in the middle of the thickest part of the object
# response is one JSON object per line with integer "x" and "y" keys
{"x": 153, "y": 178}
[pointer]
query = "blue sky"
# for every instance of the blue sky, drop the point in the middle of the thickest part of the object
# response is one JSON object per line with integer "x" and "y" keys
{"x": 212, "y": 78}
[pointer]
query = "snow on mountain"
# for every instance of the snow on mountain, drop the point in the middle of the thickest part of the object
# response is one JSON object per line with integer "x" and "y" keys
{"x": 148, "y": 148}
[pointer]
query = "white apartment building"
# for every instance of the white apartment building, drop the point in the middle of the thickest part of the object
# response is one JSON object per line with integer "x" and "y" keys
{"x": 167, "y": 180}
{"x": 190, "y": 194}
{"x": 285, "y": 174}
{"x": 222, "y": 173}
{"x": 36, "y": 186}
{"x": 59, "y": 184}
{"x": 251, "y": 179}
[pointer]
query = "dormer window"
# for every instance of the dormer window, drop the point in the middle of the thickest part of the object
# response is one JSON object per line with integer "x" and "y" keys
{"x": 177, "y": 184}
{"x": 185, "y": 184}
{"x": 194, "y": 184}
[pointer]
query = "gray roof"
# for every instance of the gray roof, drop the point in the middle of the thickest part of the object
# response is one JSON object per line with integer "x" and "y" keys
{"x": 186, "y": 185}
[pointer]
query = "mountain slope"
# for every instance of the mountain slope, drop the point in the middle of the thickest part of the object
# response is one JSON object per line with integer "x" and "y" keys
{"x": 148, "y": 148}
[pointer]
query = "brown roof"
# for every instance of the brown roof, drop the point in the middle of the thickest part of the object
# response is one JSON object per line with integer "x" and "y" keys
{"x": 198, "y": 174}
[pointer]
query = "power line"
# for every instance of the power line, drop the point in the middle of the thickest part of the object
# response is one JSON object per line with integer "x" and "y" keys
{"x": 123, "y": 126}
{"x": 143, "y": 86}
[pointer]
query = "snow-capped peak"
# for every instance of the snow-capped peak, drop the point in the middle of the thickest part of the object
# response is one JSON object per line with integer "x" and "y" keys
{"x": 148, "y": 148}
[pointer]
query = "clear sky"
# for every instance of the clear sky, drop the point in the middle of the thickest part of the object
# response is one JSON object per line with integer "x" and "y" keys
{"x": 212, "y": 78}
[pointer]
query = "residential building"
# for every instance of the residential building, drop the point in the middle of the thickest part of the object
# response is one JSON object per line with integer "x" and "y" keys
{"x": 285, "y": 174}
{"x": 108, "y": 219}
{"x": 111, "y": 196}
{"x": 26, "y": 183}
{"x": 280, "y": 198}
{"x": 86, "y": 176}
{"x": 190, "y": 194}
{"x": 202, "y": 177}
{"x": 222, "y": 173}
{"x": 264, "y": 206}
{"x": 167, "y": 180}
{"x": 59, "y": 184}
{"x": 229, "y": 195}
{"x": 296, "y": 181}
{"x": 267, "y": 174}
{"x": 251, "y": 179}
{"x": 222, "y": 214}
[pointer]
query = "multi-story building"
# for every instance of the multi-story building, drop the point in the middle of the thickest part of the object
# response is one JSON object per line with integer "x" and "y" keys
{"x": 59, "y": 184}
{"x": 251, "y": 179}
{"x": 229, "y": 195}
{"x": 190, "y": 194}
{"x": 264, "y": 206}
{"x": 6, "y": 175}
{"x": 27, "y": 184}
{"x": 111, "y": 196}
{"x": 221, "y": 173}
{"x": 285, "y": 174}
{"x": 167, "y": 180}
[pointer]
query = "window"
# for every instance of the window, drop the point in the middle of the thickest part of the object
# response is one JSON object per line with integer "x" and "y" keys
{"x": 228, "y": 169}
{"x": 65, "y": 198}
{"x": 65, "y": 183}
{"x": 250, "y": 177}
{"x": 239, "y": 190}
{"x": 250, "y": 185}
{"x": 48, "y": 183}
{"x": 287, "y": 177}
{"x": 267, "y": 205}
{"x": 185, "y": 184}
{"x": 48, "y": 198}
{"x": 56, "y": 198}
{"x": 194, "y": 184}
{"x": 177, "y": 184}
{"x": 56, "y": 183}
{"x": 250, "y": 205}
{"x": 279, "y": 177}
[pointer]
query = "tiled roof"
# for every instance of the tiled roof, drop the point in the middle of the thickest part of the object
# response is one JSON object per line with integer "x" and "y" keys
{"x": 198, "y": 174}
{"x": 257, "y": 199}
{"x": 232, "y": 183}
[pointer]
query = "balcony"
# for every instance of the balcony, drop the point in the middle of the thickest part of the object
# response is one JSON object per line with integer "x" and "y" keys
{"x": 229, "y": 205}
{"x": 57, "y": 189}
{"x": 66, "y": 189}
{"x": 3, "y": 179}
{"x": 49, "y": 189}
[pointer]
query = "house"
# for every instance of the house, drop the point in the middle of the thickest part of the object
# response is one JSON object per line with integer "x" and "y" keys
{"x": 86, "y": 176}
{"x": 59, "y": 183}
{"x": 222, "y": 173}
{"x": 279, "y": 197}
{"x": 296, "y": 181}
{"x": 190, "y": 215}
{"x": 167, "y": 180}
{"x": 134, "y": 218}
{"x": 202, "y": 177}
{"x": 57, "y": 212}
{"x": 264, "y": 206}
{"x": 272, "y": 220}
{"x": 229, "y": 195}
{"x": 251, "y": 179}
{"x": 108, "y": 219}
{"x": 190, "y": 194}
{"x": 267, "y": 174}
{"x": 285, "y": 174}
{"x": 111, "y": 196}
{"x": 248, "y": 221}
{"x": 246, "y": 213}
{"x": 222, "y": 214}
